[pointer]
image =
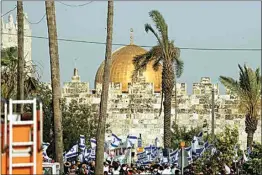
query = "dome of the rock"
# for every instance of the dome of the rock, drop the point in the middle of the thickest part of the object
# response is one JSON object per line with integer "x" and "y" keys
{"x": 122, "y": 68}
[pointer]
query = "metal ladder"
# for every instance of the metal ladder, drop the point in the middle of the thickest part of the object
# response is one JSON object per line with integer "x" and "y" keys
{"x": 5, "y": 131}
{"x": 32, "y": 143}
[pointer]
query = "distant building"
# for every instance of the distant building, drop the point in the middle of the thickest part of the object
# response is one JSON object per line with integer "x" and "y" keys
{"x": 9, "y": 37}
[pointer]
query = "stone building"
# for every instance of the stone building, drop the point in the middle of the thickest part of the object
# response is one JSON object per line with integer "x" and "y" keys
{"x": 134, "y": 107}
{"x": 9, "y": 37}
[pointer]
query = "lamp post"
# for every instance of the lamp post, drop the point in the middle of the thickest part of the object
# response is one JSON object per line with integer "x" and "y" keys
{"x": 213, "y": 113}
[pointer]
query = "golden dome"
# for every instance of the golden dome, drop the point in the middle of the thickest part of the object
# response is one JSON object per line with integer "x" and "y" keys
{"x": 122, "y": 68}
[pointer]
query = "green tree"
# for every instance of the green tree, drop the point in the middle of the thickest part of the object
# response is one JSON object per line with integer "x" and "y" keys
{"x": 8, "y": 72}
{"x": 183, "y": 134}
{"x": 254, "y": 165}
{"x": 247, "y": 88}
{"x": 167, "y": 54}
{"x": 78, "y": 119}
{"x": 225, "y": 143}
{"x": 100, "y": 134}
{"x": 9, "y": 63}
{"x": 55, "y": 79}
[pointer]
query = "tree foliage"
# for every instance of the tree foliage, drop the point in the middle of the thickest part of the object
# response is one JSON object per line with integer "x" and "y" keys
{"x": 78, "y": 119}
{"x": 248, "y": 89}
{"x": 165, "y": 53}
{"x": 9, "y": 63}
{"x": 254, "y": 164}
{"x": 183, "y": 134}
{"x": 224, "y": 143}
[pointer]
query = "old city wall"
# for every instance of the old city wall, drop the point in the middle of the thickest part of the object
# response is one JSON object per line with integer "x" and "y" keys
{"x": 137, "y": 112}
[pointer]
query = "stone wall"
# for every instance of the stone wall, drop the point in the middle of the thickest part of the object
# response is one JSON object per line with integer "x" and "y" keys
{"x": 137, "y": 112}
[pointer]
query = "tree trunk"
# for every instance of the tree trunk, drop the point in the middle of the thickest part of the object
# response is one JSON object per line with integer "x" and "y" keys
{"x": 168, "y": 85}
{"x": 100, "y": 135}
{"x": 250, "y": 136}
{"x": 21, "y": 62}
{"x": 55, "y": 79}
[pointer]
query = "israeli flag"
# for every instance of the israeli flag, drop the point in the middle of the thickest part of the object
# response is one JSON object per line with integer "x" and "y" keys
{"x": 154, "y": 152}
{"x": 82, "y": 143}
{"x": 87, "y": 154}
{"x": 195, "y": 144}
{"x": 73, "y": 152}
{"x": 189, "y": 152}
{"x": 131, "y": 140}
{"x": 200, "y": 137}
{"x": 93, "y": 143}
{"x": 44, "y": 147}
{"x": 115, "y": 141}
{"x": 200, "y": 151}
{"x": 174, "y": 156}
{"x": 93, "y": 154}
{"x": 206, "y": 145}
{"x": 45, "y": 156}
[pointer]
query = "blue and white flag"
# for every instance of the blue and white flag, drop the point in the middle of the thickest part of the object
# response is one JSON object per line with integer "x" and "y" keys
{"x": 200, "y": 137}
{"x": 82, "y": 143}
{"x": 87, "y": 154}
{"x": 189, "y": 152}
{"x": 206, "y": 145}
{"x": 93, "y": 154}
{"x": 115, "y": 141}
{"x": 200, "y": 151}
{"x": 93, "y": 143}
{"x": 44, "y": 147}
{"x": 195, "y": 144}
{"x": 131, "y": 140}
{"x": 174, "y": 156}
{"x": 154, "y": 153}
{"x": 73, "y": 152}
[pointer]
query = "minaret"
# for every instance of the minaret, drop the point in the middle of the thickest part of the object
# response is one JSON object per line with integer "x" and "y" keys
{"x": 75, "y": 77}
{"x": 131, "y": 36}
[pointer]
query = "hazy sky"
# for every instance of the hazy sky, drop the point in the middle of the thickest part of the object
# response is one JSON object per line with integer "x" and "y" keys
{"x": 191, "y": 24}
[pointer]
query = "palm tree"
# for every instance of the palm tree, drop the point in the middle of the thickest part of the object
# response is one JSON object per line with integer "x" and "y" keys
{"x": 8, "y": 72}
{"x": 167, "y": 54}
{"x": 248, "y": 89}
{"x": 100, "y": 135}
{"x": 20, "y": 67}
{"x": 55, "y": 79}
{"x": 9, "y": 64}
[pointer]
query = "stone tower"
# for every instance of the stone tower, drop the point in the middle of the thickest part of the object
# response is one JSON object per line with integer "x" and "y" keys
{"x": 9, "y": 37}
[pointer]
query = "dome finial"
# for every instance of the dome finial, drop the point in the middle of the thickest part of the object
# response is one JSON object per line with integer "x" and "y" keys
{"x": 131, "y": 36}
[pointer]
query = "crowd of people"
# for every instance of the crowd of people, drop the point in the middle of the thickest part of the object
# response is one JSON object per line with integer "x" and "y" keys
{"x": 115, "y": 168}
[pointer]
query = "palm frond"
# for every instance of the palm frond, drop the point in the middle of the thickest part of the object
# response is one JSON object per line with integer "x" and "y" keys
{"x": 179, "y": 66}
{"x": 157, "y": 63}
{"x": 141, "y": 61}
{"x": 148, "y": 27}
{"x": 230, "y": 83}
{"x": 161, "y": 26}
{"x": 244, "y": 78}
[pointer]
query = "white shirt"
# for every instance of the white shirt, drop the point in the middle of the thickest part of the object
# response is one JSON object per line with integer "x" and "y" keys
{"x": 166, "y": 171}
{"x": 115, "y": 172}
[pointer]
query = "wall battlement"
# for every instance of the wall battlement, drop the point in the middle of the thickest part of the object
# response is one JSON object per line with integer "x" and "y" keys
{"x": 137, "y": 111}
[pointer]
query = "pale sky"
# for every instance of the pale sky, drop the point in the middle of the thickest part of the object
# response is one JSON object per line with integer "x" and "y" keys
{"x": 191, "y": 24}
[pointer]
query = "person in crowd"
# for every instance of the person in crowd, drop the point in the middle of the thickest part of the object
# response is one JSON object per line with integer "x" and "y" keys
{"x": 167, "y": 169}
